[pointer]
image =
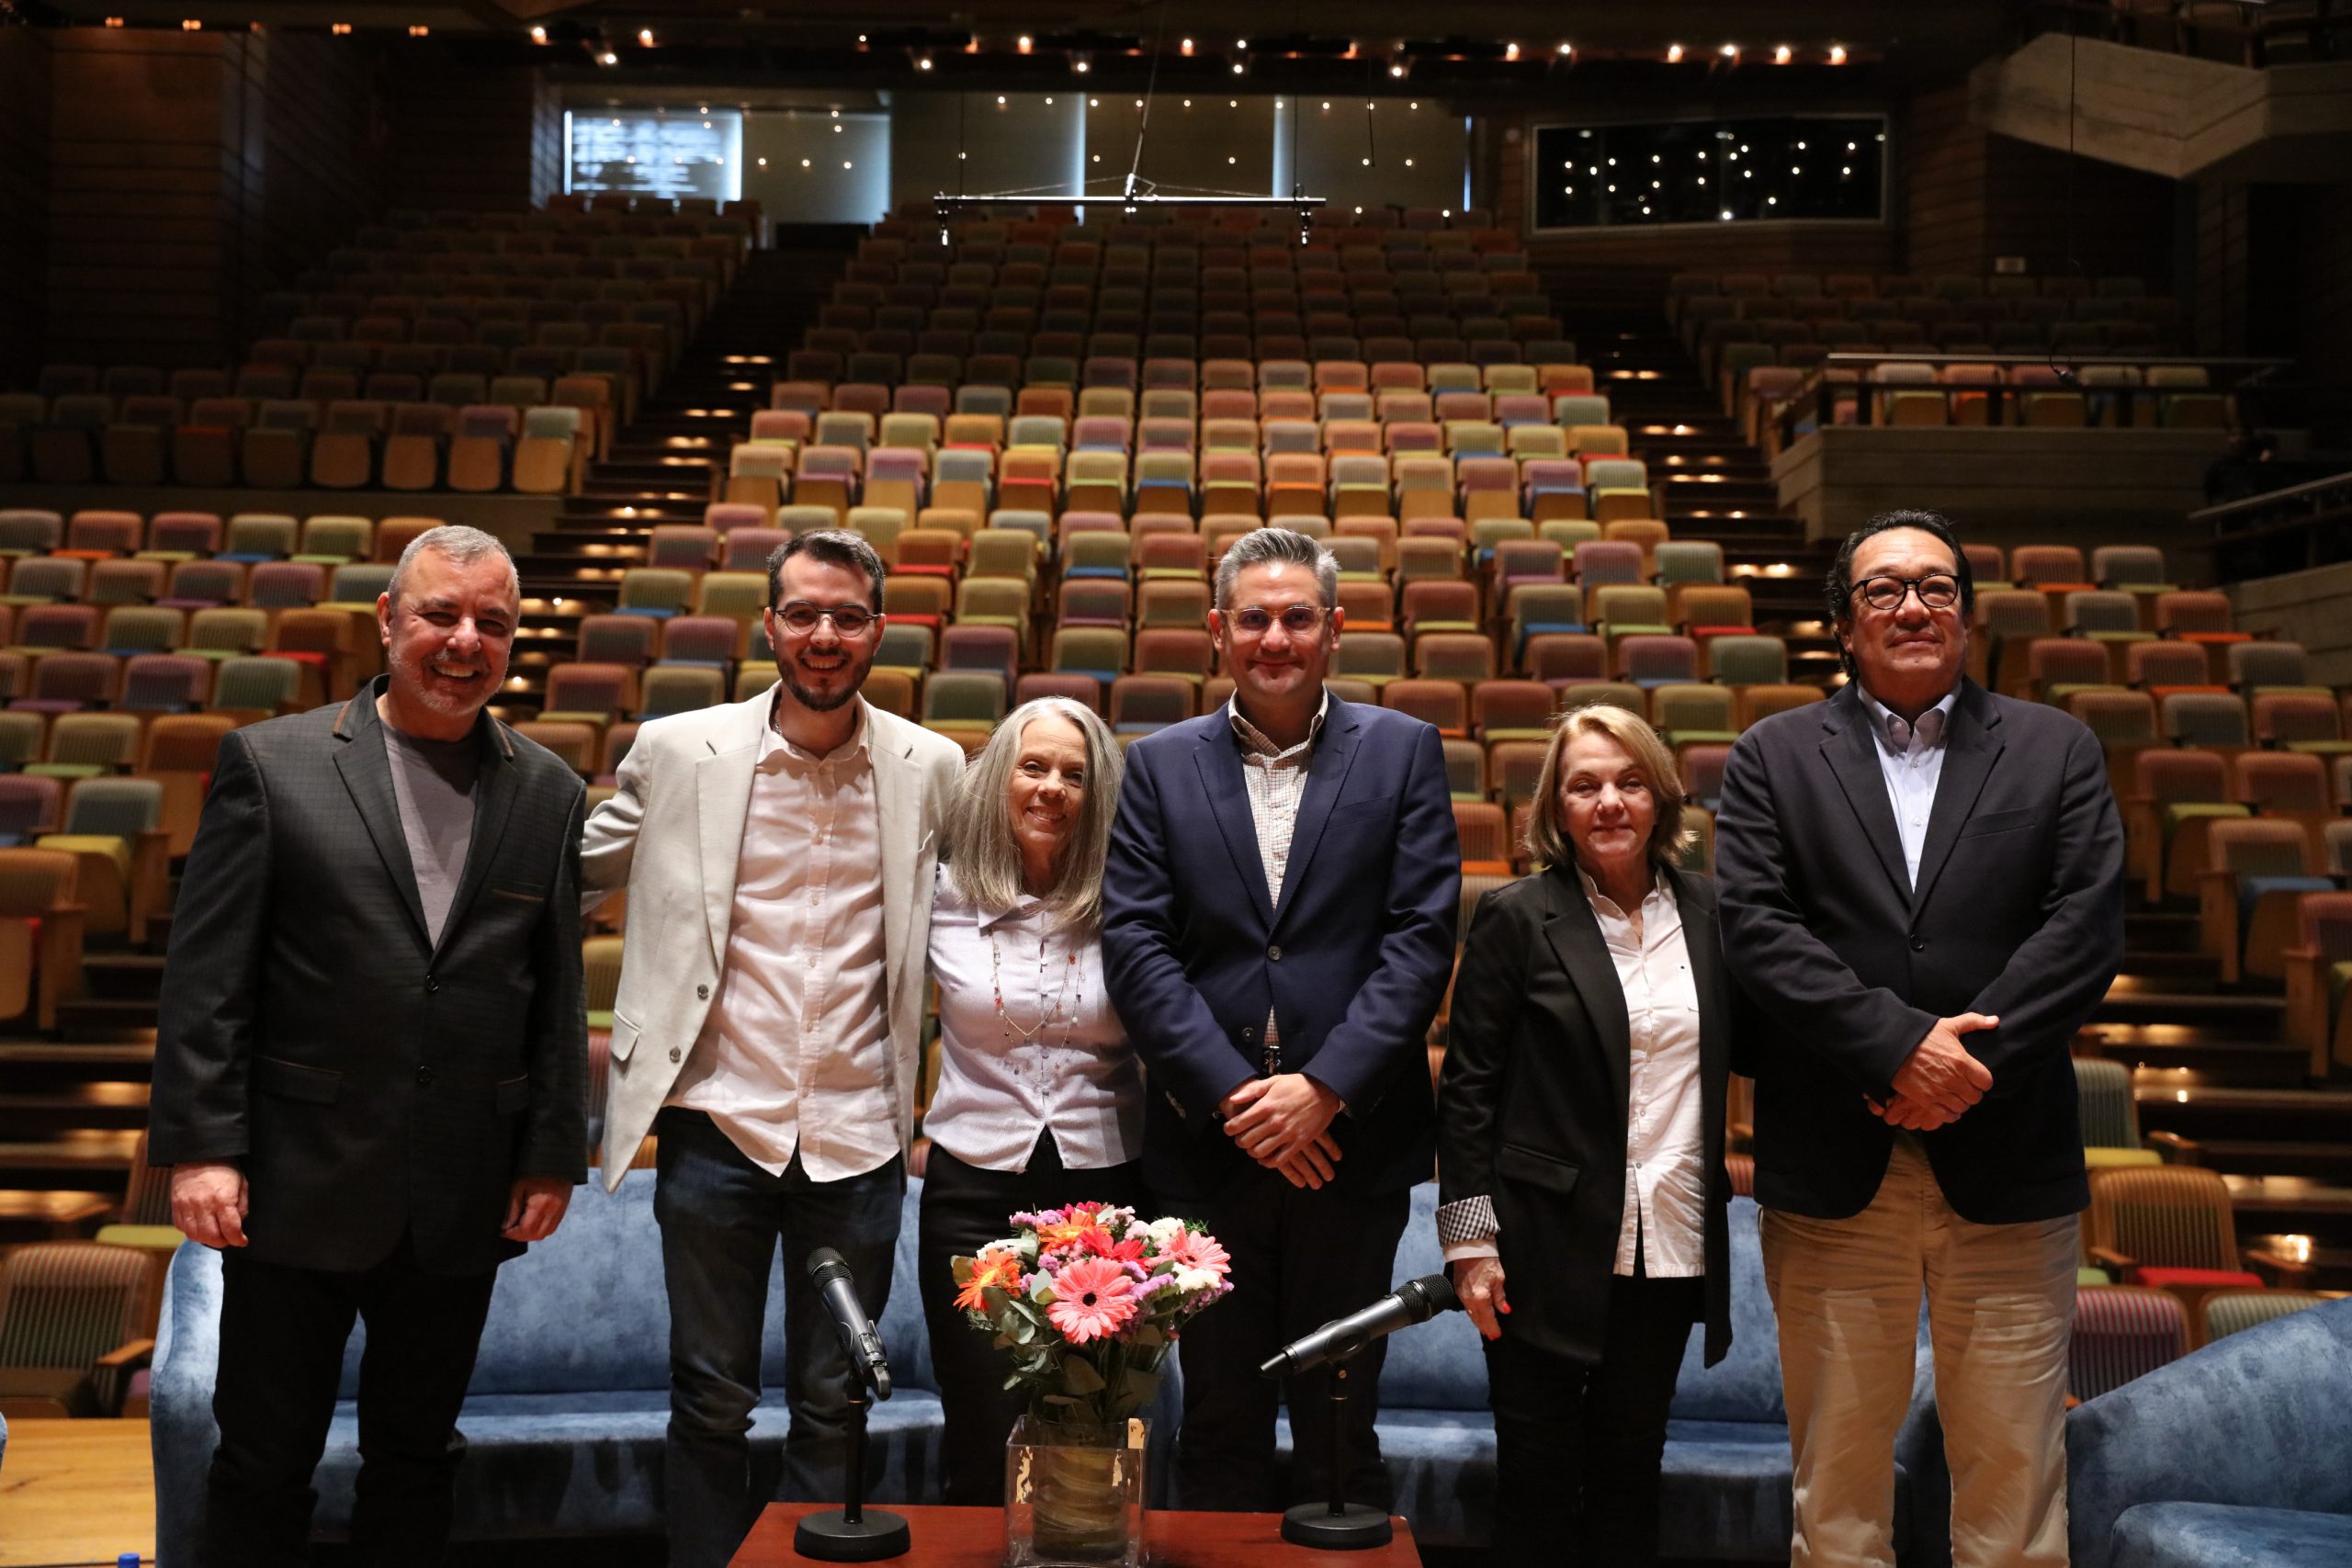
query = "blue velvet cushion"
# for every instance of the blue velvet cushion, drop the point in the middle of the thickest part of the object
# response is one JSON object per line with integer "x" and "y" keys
{"x": 2214, "y": 1535}
{"x": 2256, "y": 1422}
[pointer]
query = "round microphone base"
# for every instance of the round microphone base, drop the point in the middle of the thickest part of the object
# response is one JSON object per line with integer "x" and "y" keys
{"x": 830, "y": 1537}
{"x": 1353, "y": 1529}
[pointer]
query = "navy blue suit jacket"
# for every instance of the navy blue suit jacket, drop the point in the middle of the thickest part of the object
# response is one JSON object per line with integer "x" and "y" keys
{"x": 1353, "y": 962}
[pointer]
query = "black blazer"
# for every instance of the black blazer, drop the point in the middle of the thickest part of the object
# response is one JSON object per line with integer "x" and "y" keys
{"x": 2019, "y": 913}
{"x": 1353, "y": 962}
{"x": 1533, "y": 1102}
{"x": 369, "y": 1081}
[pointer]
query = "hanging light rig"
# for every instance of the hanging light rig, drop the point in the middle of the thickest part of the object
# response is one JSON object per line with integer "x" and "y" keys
{"x": 1134, "y": 194}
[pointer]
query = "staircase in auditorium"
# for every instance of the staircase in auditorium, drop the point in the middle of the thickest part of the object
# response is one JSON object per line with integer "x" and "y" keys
{"x": 664, "y": 466}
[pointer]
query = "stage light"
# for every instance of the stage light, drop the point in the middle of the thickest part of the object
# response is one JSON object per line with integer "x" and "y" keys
{"x": 1185, "y": 48}
{"x": 608, "y": 58}
{"x": 1781, "y": 55}
{"x": 1397, "y": 70}
{"x": 1566, "y": 48}
{"x": 1236, "y": 67}
{"x": 763, "y": 162}
{"x": 539, "y": 35}
{"x": 1674, "y": 54}
{"x": 190, "y": 25}
{"x": 644, "y": 36}
{"x": 1242, "y": 43}
{"x": 1023, "y": 43}
{"x": 1510, "y": 51}
{"x": 1079, "y": 66}
{"x": 420, "y": 31}
{"x": 999, "y": 100}
{"x": 923, "y": 63}
{"x": 1836, "y": 54}
{"x": 340, "y": 29}
{"x": 116, "y": 22}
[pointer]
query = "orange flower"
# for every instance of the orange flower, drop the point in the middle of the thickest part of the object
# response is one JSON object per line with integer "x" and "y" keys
{"x": 1002, "y": 1269}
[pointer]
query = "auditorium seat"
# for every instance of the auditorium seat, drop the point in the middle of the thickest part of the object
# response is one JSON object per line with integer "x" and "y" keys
{"x": 70, "y": 1319}
{"x": 2122, "y": 1332}
{"x": 2167, "y": 1227}
{"x": 113, "y": 828}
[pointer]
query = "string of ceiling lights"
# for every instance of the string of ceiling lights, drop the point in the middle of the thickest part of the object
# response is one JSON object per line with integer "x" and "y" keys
{"x": 931, "y": 51}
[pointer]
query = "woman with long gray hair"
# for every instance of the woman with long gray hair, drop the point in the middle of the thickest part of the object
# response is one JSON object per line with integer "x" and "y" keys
{"x": 1040, "y": 1099}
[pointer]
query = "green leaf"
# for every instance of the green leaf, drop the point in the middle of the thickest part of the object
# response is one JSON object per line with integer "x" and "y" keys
{"x": 1079, "y": 1377}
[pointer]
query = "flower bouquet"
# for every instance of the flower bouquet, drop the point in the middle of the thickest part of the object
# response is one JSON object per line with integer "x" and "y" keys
{"x": 1087, "y": 1301}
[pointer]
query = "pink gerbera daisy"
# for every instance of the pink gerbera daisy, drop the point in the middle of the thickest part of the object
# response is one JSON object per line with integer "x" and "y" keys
{"x": 1192, "y": 1249}
{"x": 1092, "y": 1299}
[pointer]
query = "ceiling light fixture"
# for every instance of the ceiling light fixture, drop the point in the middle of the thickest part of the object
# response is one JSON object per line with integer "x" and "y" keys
{"x": 1674, "y": 54}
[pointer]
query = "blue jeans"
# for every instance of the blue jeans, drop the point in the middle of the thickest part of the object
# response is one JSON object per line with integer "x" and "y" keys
{"x": 721, "y": 1217}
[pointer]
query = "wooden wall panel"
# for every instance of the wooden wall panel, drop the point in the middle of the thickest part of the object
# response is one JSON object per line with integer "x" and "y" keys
{"x": 309, "y": 126}
{"x": 24, "y": 200}
{"x": 1967, "y": 196}
{"x": 469, "y": 140}
{"x": 144, "y": 255}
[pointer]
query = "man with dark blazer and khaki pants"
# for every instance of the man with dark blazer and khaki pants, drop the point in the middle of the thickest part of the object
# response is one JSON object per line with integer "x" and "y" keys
{"x": 370, "y": 1065}
{"x": 1922, "y": 892}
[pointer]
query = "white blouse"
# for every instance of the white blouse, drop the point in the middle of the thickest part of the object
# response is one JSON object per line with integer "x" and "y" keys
{"x": 1056, "y": 1058}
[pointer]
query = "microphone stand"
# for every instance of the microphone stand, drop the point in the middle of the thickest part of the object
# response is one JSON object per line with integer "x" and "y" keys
{"x": 850, "y": 1533}
{"x": 1340, "y": 1525}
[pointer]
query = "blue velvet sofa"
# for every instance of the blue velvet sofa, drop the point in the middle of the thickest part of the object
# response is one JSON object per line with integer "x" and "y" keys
{"x": 2239, "y": 1456}
{"x": 570, "y": 1395}
{"x": 1727, "y": 1494}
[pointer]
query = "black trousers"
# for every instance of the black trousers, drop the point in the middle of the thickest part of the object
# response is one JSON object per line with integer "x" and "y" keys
{"x": 1578, "y": 1448}
{"x": 282, "y": 1336}
{"x": 1300, "y": 1258}
{"x": 964, "y": 1209}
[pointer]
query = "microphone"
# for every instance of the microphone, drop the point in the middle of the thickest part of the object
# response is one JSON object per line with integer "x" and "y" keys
{"x": 832, "y": 1278}
{"x": 1416, "y": 1300}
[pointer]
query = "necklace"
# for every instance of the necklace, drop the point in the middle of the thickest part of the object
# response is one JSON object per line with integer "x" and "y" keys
{"x": 1064, "y": 1007}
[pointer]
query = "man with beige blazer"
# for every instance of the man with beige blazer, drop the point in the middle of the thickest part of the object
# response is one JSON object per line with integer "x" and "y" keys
{"x": 779, "y": 855}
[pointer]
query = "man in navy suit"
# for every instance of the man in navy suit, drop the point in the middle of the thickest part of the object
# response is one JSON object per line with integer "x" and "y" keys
{"x": 1278, "y": 916}
{"x": 1922, "y": 891}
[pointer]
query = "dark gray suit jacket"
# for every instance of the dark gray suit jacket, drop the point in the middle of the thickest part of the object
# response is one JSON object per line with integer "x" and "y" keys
{"x": 368, "y": 1081}
{"x": 2019, "y": 914}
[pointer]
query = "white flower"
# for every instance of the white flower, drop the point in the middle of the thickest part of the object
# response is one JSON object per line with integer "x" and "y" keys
{"x": 1162, "y": 1230}
{"x": 1191, "y": 1279}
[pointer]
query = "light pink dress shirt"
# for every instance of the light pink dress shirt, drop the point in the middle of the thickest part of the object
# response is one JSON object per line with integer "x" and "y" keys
{"x": 796, "y": 1051}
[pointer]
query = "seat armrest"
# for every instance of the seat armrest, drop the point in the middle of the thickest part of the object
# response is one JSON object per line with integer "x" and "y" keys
{"x": 2108, "y": 1258}
{"x": 2176, "y": 1149}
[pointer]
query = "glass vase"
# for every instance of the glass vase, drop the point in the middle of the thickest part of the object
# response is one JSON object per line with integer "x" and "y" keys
{"x": 1074, "y": 1494}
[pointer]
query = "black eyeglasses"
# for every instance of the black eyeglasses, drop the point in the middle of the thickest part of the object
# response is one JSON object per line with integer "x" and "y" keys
{"x": 1937, "y": 590}
{"x": 800, "y": 618}
{"x": 1298, "y": 620}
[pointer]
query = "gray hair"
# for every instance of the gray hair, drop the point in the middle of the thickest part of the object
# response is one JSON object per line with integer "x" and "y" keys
{"x": 460, "y": 546}
{"x": 978, "y": 843}
{"x": 1262, "y": 545}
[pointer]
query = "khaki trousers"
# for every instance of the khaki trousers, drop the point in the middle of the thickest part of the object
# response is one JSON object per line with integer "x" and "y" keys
{"x": 2000, "y": 1309}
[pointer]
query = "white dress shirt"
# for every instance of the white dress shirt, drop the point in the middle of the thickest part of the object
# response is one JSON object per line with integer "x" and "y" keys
{"x": 796, "y": 1051}
{"x": 1072, "y": 1074}
{"x": 1912, "y": 759}
{"x": 1275, "y": 778}
{"x": 1665, "y": 1214}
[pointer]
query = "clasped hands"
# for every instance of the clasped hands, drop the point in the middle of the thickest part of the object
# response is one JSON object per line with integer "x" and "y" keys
{"x": 1285, "y": 1123}
{"x": 208, "y": 1205}
{"x": 1940, "y": 1080}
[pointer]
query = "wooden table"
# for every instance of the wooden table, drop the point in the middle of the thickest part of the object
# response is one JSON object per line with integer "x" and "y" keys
{"x": 974, "y": 1537}
{"x": 76, "y": 1491}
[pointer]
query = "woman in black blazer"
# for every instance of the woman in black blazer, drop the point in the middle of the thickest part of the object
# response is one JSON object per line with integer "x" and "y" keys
{"x": 1580, "y": 1159}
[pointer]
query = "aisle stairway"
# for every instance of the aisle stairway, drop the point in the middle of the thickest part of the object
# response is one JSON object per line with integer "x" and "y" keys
{"x": 662, "y": 466}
